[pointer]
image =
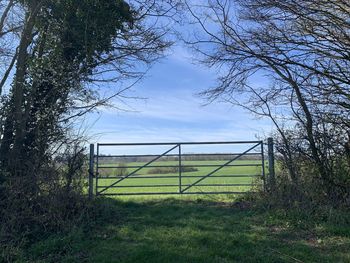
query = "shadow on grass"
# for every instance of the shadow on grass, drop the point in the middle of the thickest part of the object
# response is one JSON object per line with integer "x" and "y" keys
{"x": 173, "y": 230}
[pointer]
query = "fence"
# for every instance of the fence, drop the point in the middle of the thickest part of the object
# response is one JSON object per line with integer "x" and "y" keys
{"x": 175, "y": 171}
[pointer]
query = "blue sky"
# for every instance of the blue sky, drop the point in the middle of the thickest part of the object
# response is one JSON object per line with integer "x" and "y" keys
{"x": 172, "y": 111}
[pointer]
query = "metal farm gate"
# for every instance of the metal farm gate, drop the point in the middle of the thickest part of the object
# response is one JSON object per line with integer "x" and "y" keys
{"x": 178, "y": 168}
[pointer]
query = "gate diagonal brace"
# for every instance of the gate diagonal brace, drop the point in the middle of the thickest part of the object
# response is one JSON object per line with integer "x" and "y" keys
{"x": 153, "y": 160}
{"x": 222, "y": 166}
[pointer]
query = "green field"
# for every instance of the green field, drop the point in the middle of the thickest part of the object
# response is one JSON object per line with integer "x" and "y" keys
{"x": 243, "y": 179}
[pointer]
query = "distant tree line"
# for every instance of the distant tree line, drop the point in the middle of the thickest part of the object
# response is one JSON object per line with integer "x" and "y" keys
{"x": 187, "y": 157}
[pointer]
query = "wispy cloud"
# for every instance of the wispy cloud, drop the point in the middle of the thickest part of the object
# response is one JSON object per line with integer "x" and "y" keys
{"x": 172, "y": 112}
{"x": 181, "y": 107}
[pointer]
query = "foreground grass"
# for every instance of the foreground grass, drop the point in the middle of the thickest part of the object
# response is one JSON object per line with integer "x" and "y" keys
{"x": 195, "y": 230}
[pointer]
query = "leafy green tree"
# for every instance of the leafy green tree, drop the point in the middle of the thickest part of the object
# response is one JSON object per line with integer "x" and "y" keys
{"x": 65, "y": 48}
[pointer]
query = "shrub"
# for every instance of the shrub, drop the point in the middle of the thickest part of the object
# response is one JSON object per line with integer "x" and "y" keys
{"x": 42, "y": 201}
{"x": 169, "y": 170}
{"x": 121, "y": 170}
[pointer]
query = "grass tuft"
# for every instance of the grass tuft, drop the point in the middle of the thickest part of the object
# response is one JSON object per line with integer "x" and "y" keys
{"x": 195, "y": 230}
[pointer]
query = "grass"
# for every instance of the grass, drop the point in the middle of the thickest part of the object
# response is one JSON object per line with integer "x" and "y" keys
{"x": 195, "y": 230}
{"x": 250, "y": 177}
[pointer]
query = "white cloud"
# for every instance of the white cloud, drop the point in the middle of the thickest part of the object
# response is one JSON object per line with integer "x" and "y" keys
{"x": 181, "y": 106}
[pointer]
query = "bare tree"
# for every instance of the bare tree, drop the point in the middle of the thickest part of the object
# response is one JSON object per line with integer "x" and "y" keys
{"x": 299, "y": 48}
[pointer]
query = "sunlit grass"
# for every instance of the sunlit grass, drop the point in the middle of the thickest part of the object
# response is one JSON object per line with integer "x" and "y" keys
{"x": 208, "y": 229}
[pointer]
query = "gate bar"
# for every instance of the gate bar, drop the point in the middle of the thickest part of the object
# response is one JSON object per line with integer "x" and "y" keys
{"x": 173, "y": 155}
{"x": 271, "y": 181}
{"x": 97, "y": 159}
{"x": 173, "y": 185}
{"x": 175, "y": 193}
{"x": 263, "y": 166}
{"x": 180, "y": 170}
{"x": 173, "y": 166}
{"x": 176, "y": 176}
{"x": 91, "y": 171}
{"x": 172, "y": 143}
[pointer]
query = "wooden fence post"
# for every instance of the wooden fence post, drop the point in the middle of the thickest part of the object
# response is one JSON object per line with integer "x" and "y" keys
{"x": 91, "y": 171}
{"x": 271, "y": 156}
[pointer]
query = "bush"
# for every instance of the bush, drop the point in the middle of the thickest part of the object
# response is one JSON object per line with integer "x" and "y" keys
{"x": 170, "y": 170}
{"x": 42, "y": 200}
{"x": 307, "y": 181}
{"x": 121, "y": 170}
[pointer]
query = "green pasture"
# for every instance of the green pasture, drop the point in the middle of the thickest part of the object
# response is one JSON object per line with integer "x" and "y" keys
{"x": 244, "y": 177}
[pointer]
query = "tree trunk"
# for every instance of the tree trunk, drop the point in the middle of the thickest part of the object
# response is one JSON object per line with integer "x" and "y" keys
{"x": 13, "y": 132}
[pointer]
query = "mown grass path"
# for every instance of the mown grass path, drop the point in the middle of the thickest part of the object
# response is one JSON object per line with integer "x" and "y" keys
{"x": 182, "y": 230}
